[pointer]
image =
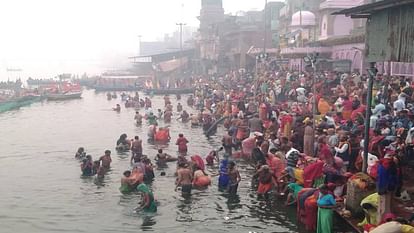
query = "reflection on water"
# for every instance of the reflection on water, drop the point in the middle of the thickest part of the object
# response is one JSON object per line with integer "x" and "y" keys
{"x": 42, "y": 190}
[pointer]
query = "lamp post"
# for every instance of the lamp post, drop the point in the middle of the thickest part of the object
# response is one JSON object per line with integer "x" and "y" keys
{"x": 181, "y": 45}
{"x": 372, "y": 71}
{"x": 139, "y": 39}
{"x": 265, "y": 28}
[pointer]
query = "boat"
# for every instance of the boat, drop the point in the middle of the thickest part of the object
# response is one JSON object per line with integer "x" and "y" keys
{"x": 15, "y": 103}
{"x": 170, "y": 91}
{"x": 64, "y": 96}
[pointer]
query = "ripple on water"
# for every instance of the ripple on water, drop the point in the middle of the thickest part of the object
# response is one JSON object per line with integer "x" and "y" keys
{"x": 45, "y": 192}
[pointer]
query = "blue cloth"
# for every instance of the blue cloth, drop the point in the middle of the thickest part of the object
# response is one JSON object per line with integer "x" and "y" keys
{"x": 223, "y": 178}
{"x": 326, "y": 200}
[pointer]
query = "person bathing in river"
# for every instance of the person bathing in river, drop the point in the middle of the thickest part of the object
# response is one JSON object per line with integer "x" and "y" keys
{"x": 98, "y": 169}
{"x": 147, "y": 203}
{"x": 184, "y": 179}
{"x": 127, "y": 184}
{"x": 234, "y": 178}
{"x": 87, "y": 166}
{"x": 152, "y": 119}
{"x": 123, "y": 143}
{"x": 184, "y": 116}
{"x": 138, "y": 118}
{"x": 117, "y": 108}
{"x": 179, "y": 107}
{"x": 265, "y": 180}
{"x": 201, "y": 179}
{"x": 149, "y": 170}
{"x": 136, "y": 147}
{"x": 80, "y": 154}
{"x": 182, "y": 144}
{"x": 162, "y": 159}
{"x": 167, "y": 116}
{"x": 106, "y": 160}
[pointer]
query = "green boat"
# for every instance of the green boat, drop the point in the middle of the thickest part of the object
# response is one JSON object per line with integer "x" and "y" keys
{"x": 16, "y": 103}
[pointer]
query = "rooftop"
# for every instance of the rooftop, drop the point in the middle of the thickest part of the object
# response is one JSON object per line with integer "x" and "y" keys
{"x": 364, "y": 11}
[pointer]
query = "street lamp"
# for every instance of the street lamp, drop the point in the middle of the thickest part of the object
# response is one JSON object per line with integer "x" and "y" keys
{"x": 139, "y": 39}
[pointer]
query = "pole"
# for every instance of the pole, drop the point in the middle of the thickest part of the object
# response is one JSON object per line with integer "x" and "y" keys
{"x": 265, "y": 28}
{"x": 371, "y": 74}
{"x": 181, "y": 45}
{"x": 314, "y": 98}
{"x": 139, "y": 38}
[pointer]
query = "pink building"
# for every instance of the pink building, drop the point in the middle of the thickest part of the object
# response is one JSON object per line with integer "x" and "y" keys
{"x": 334, "y": 37}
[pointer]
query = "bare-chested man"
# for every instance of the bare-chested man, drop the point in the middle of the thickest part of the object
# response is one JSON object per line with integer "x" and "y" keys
{"x": 227, "y": 143}
{"x": 106, "y": 160}
{"x": 184, "y": 179}
{"x": 136, "y": 148}
{"x": 234, "y": 178}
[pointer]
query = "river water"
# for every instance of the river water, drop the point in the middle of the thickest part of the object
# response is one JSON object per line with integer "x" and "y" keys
{"x": 42, "y": 190}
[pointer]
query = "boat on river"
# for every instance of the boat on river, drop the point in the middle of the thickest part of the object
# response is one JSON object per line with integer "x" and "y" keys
{"x": 64, "y": 96}
{"x": 18, "y": 102}
{"x": 169, "y": 91}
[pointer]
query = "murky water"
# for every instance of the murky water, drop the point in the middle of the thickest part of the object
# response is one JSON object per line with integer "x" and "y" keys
{"x": 41, "y": 189}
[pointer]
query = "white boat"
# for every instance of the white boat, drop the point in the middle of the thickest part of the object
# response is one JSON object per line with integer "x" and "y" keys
{"x": 64, "y": 96}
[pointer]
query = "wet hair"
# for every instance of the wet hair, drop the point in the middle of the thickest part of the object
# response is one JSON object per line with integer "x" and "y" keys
{"x": 232, "y": 163}
{"x": 127, "y": 173}
{"x": 180, "y": 135}
{"x": 81, "y": 149}
{"x": 159, "y": 150}
{"x": 136, "y": 137}
{"x": 107, "y": 152}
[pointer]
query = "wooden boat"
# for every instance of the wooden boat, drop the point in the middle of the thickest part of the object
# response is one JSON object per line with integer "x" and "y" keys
{"x": 171, "y": 91}
{"x": 16, "y": 103}
{"x": 64, "y": 96}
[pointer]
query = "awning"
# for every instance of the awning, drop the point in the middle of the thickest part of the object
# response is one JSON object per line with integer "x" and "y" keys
{"x": 364, "y": 11}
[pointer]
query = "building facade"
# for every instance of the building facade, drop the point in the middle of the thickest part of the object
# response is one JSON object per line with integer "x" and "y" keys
{"x": 312, "y": 28}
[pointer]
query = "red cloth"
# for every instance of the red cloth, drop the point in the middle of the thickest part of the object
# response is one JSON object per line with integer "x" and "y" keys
{"x": 311, "y": 212}
{"x": 264, "y": 188}
{"x": 199, "y": 161}
{"x": 182, "y": 144}
{"x": 312, "y": 172}
{"x": 361, "y": 109}
{"x": 325, "y": 153}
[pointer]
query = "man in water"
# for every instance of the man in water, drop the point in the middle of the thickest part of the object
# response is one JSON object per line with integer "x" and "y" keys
{"x": 179, "y": 107}
{"x": 138, "y": 118}
{"x": 234, "y": 178}
{"x": 228, "y": 143}
{"x": 167, "y": 116}
{"x": 106, "y": 160}
{"x": 136, "y": 148}
{"x": 184, "y": 178}
{"x": 184, "y": 116}
{"x": 162, "y": 159}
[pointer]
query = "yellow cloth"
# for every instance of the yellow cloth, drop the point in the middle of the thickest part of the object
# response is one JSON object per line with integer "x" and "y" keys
{"x": 298, "y": 175}
{"x": 371, "y": 214}
{"x": 407, "y": 229}
{"x": 323, "y": 106}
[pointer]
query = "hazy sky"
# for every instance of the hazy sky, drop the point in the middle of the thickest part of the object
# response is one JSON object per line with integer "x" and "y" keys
{"x": 46, "y": 37}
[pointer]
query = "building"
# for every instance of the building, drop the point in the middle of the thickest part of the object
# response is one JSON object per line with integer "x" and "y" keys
{"x": 389, "y": 34}
{"x": 312, "y": 28}
{"x": 232, "y": 42}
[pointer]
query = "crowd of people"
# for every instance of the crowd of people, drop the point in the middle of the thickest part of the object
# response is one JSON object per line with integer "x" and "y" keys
{"x": 303, "y": 133}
